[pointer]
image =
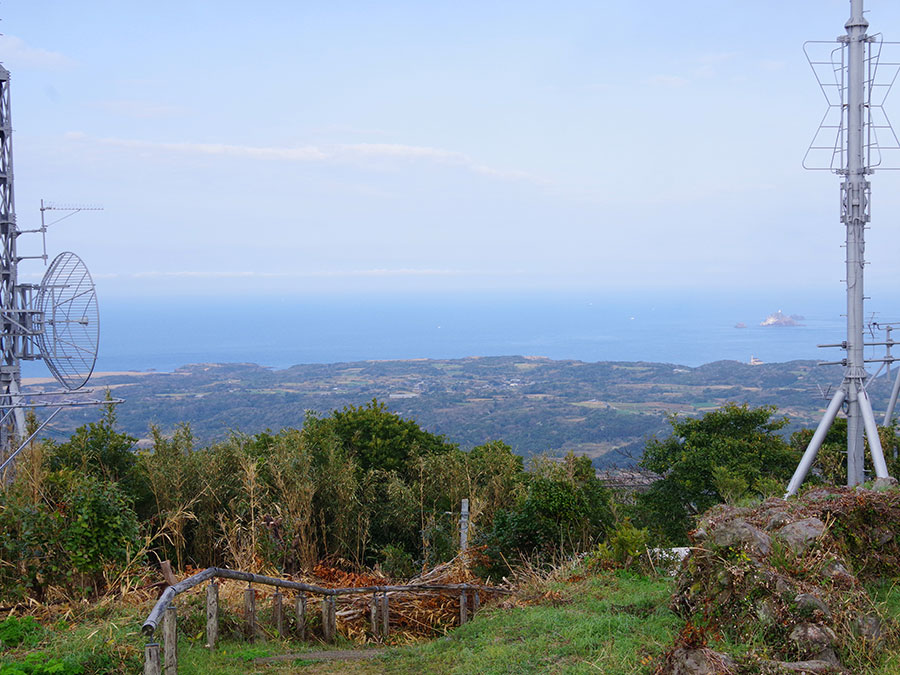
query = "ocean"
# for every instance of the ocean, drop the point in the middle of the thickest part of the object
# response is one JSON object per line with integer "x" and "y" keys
{"x": 678, "y": 328}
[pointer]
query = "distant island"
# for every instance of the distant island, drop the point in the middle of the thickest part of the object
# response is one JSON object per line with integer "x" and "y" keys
{"x": 779, "y": 318}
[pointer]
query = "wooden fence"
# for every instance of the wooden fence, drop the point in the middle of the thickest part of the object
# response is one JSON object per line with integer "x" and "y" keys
{"x": 379, "y": 611}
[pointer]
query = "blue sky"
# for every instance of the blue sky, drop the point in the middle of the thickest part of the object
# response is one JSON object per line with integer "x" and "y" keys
{"x": 356, "y": 147}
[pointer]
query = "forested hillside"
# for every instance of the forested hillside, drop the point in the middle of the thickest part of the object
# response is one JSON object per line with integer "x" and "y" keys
{"x": 606, "y": 410}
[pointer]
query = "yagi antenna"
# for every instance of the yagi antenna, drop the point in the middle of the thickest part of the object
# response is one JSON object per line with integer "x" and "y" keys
{"x": 71, "y": 210}
{"x": 854, "y": 138}
{"x": 56, "y": 321}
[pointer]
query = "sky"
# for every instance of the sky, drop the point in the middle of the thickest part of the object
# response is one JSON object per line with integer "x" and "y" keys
{"x": 295, "y": 147}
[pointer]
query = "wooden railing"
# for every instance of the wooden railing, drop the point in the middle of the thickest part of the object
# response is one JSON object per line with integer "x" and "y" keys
{"x": 379, "y": 612}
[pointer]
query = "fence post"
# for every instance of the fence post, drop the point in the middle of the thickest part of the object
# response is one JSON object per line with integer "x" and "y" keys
{"x": 463, "y": 613}
{"x": 151, "y": 659}
{"x": 170, "y": 641}
{"x": 250, "y": 612}
{"x": 278, "y": 612}
{"x": 476, "y": 604}
{"x": 300, "y": 605}
{"x": 385, "y": 616}
{"x": 166, "y": 568}
{"x": 332, "y": 615}
{"x": 328, "y": 618}
{"x": 212, "y": 614}
{"x": 464, "y": 526}
{"x": 373, "y": 613}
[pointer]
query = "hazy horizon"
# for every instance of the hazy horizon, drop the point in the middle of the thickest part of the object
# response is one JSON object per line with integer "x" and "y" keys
{"x": 295, "y": 148}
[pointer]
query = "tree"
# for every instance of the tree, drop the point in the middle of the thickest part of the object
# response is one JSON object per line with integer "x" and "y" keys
{"x": 379, "y": 439}
{"x": 725, "y": 447}
{"x": 563, "y": 509}
{"x": 97, "y": 449}
{"x": 831, "y": 460}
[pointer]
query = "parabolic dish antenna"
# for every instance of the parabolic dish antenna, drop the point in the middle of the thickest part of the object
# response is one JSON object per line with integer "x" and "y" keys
{"x": 66, "y": 304}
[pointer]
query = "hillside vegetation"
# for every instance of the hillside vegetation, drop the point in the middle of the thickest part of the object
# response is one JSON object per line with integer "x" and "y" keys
{"x": 605, "y": 410}
{"x": 365, "y": 491}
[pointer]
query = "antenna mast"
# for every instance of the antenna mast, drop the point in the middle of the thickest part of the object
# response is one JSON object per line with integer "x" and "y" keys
{"x": 853, "y": 66}
{"x": 56, "y": 321}
{"x": 10, "y": 336}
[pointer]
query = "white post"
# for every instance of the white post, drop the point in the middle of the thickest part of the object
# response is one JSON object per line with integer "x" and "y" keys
{"x": 464, "y": 526}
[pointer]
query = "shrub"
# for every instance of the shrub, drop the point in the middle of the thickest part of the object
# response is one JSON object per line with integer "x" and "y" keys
{"x": 16, "y": 631}
{"x": 397, "y": 563}
{"x": 80, "y": 526}
{"x": 564, "y": 509}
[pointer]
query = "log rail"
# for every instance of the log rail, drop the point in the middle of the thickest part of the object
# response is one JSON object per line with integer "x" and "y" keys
{"x": 164, "y": 610}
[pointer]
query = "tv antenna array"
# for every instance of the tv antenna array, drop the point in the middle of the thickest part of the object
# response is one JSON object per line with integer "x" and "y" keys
{"x": 55, "y": 321}
{"x": 854, "y": 138}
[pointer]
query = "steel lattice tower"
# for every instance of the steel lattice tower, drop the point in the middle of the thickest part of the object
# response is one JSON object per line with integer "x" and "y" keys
{"x": 10, "y": 291}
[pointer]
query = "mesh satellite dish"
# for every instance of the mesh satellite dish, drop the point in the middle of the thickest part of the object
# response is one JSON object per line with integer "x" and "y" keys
{"x": 66, "y": 306}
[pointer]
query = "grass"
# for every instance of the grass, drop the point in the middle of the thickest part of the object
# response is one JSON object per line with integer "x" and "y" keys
{"x": 611, "y": 622}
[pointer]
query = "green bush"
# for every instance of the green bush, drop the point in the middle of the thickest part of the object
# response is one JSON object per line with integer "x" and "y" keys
{"x": 564, "y": 509}
{"x": 397, "y": 563}
{"x": 101, "y": 527}
{"x": 39, "y": 664}
{"x": 16, "y": 631}
{"x": 628, "y": 543}
{"x": 81, "y": 525}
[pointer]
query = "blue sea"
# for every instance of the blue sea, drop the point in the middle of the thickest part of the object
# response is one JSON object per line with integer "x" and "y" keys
{"x": 681, "y": 328}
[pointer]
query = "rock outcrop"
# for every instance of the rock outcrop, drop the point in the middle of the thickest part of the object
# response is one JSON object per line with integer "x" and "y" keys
{"x": 789, "y": 576}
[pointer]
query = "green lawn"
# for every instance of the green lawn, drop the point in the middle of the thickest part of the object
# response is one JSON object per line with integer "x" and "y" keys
{"x": 609, "y": 622}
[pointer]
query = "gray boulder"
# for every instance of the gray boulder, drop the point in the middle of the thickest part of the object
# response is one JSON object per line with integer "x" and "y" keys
{"x": 741, "y": 533}
{"x": 814, "y": 639}
{"x": 801, "y": 534}
{"x": 700, "y": 662}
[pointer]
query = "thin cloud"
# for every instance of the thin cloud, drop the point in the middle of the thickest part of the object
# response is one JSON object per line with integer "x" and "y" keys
{"x": 376, "y": 272}
{"x": 214, "y": 149}
{"x": 17, "y": 54}
{"x": 139, "y": 109}
{"x": 356, "y": 152}
{"x": 670, "y": 81}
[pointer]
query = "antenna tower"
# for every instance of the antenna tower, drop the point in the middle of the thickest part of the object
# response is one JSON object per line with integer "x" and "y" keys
{"x": 56, "y": 320}
{"x": 849, "y": 78}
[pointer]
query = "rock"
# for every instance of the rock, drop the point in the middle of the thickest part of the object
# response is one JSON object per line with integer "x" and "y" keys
{"x": 699, "y": 535}
{"x": 836, "y": 570}
{"x": 765, "y": 612}
{"x": 700, "y": 662}
{"x": 809, "y": 603}
{"x": 783, "y": 586}
{"x": 810, "y": 667}
{"x": 813, "y": 639}
{"x": 867, "y": 626}
{"x": 740, "y": 532}
{"x": 723, "y": 579}
{"x": 882, "y": 484}
{"x": 776, "y": 519}
{"x": 801, "y": 534}
{"x": 819, "y": 495}
{"x": 882, "y": 536}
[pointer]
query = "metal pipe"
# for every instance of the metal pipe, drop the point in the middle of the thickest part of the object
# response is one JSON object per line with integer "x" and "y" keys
{"x": 29, "y": 439}
{"x": 889, "y": 413}
{"x": 815, "y": 443}
{"x": 855, "y": 215}
{"x": 881, "y": 470}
